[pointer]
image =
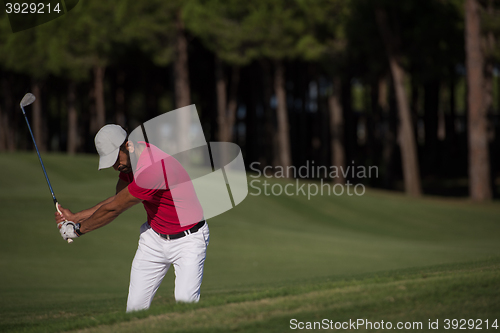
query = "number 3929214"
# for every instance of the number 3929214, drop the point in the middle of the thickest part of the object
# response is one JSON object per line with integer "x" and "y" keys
{"x": 32, "y": 8}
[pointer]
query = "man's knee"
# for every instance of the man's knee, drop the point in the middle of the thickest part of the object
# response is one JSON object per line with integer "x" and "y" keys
{"x": 187, "y": 297}
{"x": 137, "y": 303}
{"x": 131, "y": 307}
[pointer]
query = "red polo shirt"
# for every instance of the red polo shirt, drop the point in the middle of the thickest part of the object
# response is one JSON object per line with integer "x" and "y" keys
{"x": 166, "y": 190}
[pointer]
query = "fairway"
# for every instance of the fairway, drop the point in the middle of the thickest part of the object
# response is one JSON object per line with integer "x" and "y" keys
{"x": 269, "y": 260}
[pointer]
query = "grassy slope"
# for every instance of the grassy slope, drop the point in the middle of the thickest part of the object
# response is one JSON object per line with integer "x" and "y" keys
{"x": 416, "y": 296}
{"x": 263, "y": 244}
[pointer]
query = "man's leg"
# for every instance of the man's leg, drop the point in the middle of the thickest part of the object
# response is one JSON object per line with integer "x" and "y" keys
{"x": 189, "y": 265}
{"x": 148, "y": 270}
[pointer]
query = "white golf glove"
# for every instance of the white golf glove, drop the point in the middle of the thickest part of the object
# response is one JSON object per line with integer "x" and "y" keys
{"x": 68, "y": 230}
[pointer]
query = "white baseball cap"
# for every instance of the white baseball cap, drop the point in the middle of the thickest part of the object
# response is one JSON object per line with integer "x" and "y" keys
{"x": 107, "y": 142}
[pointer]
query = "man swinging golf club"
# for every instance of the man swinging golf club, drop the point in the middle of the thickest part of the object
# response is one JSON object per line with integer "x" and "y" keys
{"x": 163, "y": 186}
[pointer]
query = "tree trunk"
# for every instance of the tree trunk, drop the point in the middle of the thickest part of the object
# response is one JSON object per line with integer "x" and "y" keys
{"x": 431, "y": 121}
{"x": 383, "y": 94}
{"x": 151, "y": 97}
{"x": 9, "y": 122}
{"x": 91, "y": 116}
{"x": 337, "y": 130}
{"x": 406, "y": 135}
{"x": 232, "y": 104}
{"x": 386, "y": 102}
{"x": 282, "y": 115}
{"x": 431, "y": 111}
{"x": 73, "y": 137}
{"x": 120, "y": 99}
{"x": 3, "y": 129}
{"x": 488, "y": 98}
{"x": 374, "y": 143}
{"x": 269, "y": 127}
{"x": 38, "y": 126}
{"x": 479, "y": 167}
{"x": 7, "y": 142}
{"x": 221, "y": 87}
{"x": 489, "y": 78}
{"x": 450, "y": 124}
{"x": 253, "y": 126}
{"x": 181, "y": 69}
{"x": 182, "y": 91}
{"x": 350, "y": 121}
{"x": 415, "y": 106}
{"x": 226, "y": 109}
{"x": 441, "y": 128}
{"x": 98, "y": 116}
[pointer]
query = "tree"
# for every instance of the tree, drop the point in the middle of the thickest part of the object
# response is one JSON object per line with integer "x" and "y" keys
{"x": 337, "y": 128}
{"x": 226, "y": 29}
{"x": 426, "y": 39}
{"x": 479, "y": 172}
{"x": 159, "y": 30}
{"x": 406, "y": 135}
{"x": 81, "y": 45}
{"x": 282, "y": 31}
{"x": 238, "y": 32}
{"x": 7, "y": 129}
{"x": 24, "y": 53}
{"x": 64, "y": 63}
{"x": 368, "y": 61}
{"x": 181, "y": 68}
{"x": 92, "y": 32}
{"x": 326, "y": 43}
{"x": 490, "y": 24}
{"x": 432, "y": 42}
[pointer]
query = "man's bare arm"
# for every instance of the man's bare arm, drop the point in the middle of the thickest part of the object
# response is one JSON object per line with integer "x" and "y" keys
{"x": 120, "y": 185}
{"x": 109, "y": 211}
{"x": 80, "y": 216}
{"x": 85, "y": 214}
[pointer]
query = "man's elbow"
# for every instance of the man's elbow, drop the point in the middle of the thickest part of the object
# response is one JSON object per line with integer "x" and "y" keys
{"x": 111, "y": 209}
{"x": 119, "y": 208}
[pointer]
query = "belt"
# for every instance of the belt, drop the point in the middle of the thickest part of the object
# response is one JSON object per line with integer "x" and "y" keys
{"x": 194, "y": 229}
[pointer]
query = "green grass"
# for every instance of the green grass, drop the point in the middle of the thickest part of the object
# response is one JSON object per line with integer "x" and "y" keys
{"x": 382, "y": 256}
{"x": 415, "y": 296}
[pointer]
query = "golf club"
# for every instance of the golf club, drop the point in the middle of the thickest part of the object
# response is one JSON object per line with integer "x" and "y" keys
{"x": 28, "y": 99}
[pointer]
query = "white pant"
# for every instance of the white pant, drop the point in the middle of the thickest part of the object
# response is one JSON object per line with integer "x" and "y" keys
{"x": 153, "y": 259}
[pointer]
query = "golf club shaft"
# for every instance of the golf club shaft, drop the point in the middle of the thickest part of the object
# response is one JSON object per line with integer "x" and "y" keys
{"x": 40, "y": 158}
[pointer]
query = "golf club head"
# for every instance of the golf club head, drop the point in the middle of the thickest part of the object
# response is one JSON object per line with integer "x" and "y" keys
{"x": 27, "y": 99}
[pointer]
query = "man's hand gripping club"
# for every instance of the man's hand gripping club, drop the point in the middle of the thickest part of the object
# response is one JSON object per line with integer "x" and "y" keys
{"x": 95, "y": 217}
{"x": 68, "y": 229}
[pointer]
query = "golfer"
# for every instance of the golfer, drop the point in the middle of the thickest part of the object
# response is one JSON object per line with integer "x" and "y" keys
{"x": 163, "y": 186}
